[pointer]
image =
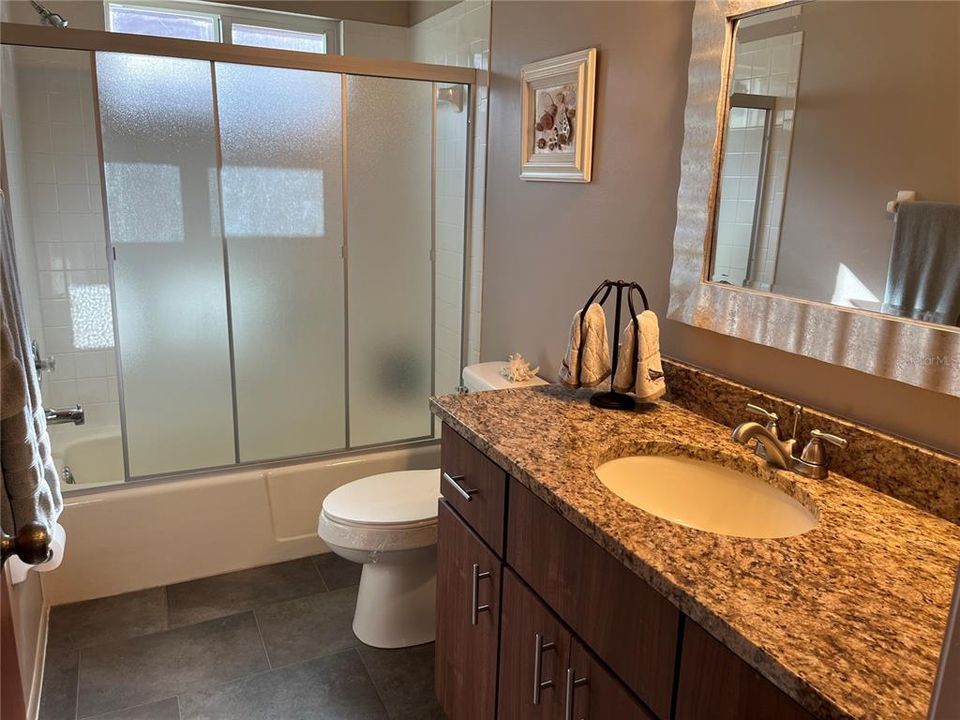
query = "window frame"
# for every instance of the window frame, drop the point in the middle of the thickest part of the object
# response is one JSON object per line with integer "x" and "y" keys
{"x": 226, "y": 16}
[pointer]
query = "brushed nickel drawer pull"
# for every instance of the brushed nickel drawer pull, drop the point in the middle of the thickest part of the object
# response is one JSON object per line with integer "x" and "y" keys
{"x": 572, "y": 682}
{"x": 539, "y": 684}
{"x": 455, "y": 481}
{"x": 475, "y": 607}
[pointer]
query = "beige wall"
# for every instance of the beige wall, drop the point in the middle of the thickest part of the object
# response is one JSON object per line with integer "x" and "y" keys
{"x": 549, "y": 244}
{"x": 879, "y": 105}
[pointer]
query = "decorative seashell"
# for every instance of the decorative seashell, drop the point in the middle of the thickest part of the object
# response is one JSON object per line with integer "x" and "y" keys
{"x": 517, "y": 369}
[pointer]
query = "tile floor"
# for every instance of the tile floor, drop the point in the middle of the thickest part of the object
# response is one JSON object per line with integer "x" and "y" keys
{"x": 270, "y": 643}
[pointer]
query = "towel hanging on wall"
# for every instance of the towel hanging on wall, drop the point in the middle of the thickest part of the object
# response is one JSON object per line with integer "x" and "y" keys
{"x": 30, "y": 486}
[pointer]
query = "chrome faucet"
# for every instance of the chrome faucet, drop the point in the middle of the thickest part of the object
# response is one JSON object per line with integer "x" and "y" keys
{"x": 62, "y": 416}
{"x": 813, "y": 461}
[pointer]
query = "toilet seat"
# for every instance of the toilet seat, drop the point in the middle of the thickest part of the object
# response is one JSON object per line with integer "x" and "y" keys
{"x": 407, "y": 498}
{"x": 387, "y": 512}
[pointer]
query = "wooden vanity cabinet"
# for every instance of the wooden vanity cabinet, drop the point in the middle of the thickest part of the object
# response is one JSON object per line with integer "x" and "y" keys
{"x": 619, "y": 616}
{"x": 715, "y": 684}
{"x": 546, "y": 673}
{"x": 524, "y": 598}
{"x": 468, "y": 620}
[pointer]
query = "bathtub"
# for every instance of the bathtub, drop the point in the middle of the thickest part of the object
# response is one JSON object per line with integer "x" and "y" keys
{"x": 87, "y": 458}
{"x": 152, "y": 533}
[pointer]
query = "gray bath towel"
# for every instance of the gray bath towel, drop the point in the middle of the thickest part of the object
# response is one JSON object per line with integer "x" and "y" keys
{"x": 31, "y": 488}
{"x": 923, "y": 280}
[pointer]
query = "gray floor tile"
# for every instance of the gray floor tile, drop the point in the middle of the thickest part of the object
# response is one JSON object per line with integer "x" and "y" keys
{"x": 336, "y": 572}
{"x": 168, "y": 709}
{"x": 404, "y": 680}
{"x": 58, "y": 697}
{"x": 153, "y": 667}
{"x": 335, "y": 687}
{"x": 107, "y": 619}
{"x": 305, "y": 628}
{"x": 207, "y": 598}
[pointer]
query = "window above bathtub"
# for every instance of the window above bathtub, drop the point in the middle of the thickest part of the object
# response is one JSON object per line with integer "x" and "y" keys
{"x": 217, "y": 22}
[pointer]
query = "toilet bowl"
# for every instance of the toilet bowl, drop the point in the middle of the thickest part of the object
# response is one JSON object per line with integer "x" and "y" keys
{"x": 388, "y": 523}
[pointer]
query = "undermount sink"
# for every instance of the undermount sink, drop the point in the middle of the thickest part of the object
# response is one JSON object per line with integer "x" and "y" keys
{"x": 706, "y": 496}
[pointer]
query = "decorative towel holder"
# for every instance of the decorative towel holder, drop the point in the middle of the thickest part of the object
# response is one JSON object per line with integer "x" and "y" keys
{"x": 611, "y": 399}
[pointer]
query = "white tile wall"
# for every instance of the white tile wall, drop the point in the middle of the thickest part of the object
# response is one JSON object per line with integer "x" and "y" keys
{"x": 770, "y": 66}
{"x": 375, "y": 40}
{"x": 460, "y": 36}
{"x": 66, "y": 227}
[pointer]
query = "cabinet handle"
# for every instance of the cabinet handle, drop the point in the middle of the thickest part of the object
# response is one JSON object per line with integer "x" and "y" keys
{"x": 455, "y": 481}
{"x": 539, "y": 684}
{"x": 572, "y": 682}
{"x": 475, "y": 607}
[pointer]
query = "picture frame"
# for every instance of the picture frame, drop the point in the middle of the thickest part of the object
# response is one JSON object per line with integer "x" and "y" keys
{"x": 558, "y": 97}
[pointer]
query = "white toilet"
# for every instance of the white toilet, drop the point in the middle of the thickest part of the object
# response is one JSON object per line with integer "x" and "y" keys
{"x": 388, "y": 522}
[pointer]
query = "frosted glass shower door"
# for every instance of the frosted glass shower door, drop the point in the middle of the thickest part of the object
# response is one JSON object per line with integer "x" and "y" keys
{"x": 160, "y": 161}
{"x": 389, "y": 238}
{"x": 280, "y": 137}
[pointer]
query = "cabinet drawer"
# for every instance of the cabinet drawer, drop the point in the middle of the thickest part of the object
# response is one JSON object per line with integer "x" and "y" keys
{"x": 630, "y": 626}
{"x": 474, "y": 486}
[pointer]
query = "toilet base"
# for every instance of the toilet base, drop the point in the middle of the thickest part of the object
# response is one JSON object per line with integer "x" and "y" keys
{"x": 396, "y": 602}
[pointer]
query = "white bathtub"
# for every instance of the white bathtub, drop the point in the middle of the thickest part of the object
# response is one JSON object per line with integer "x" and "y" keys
{"x": 95, "y": 456}
{"x": 162, "y": 532}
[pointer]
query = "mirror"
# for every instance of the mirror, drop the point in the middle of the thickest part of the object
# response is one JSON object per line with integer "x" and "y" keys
{"x": 833, "y": 108}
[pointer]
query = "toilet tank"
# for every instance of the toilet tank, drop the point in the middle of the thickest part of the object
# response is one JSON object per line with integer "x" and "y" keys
{"x": 486, "y": 376}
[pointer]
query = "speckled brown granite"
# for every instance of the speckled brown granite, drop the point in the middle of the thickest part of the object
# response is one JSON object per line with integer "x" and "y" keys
{"x": 912, "y": 473}
{"x": 848, "y": 619}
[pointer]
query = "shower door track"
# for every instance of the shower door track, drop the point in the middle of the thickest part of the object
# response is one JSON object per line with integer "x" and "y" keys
{"x": 99, "y": 40}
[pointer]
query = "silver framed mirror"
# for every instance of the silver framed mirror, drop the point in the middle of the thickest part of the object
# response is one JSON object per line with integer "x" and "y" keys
{"x": 729, "y": 270}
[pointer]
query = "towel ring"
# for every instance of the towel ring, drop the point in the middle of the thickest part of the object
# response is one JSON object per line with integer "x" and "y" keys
{"x": 611, "y": 399}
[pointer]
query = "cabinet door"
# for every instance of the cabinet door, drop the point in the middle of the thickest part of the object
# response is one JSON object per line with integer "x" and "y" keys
{"x": 618, "y": 615}
{"x": 533, "y": 656}
{"x": 717, "y": 685}
{"x": 468, "y": 620}
{"x": 593, "y": 693}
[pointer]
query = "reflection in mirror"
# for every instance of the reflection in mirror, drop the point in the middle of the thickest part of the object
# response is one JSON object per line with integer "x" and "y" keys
{"x": 834, "y": 109}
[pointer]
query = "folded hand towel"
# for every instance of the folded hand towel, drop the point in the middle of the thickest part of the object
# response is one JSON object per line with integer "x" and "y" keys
{"x": 651, "y": 384}
{"x": 626, "y": 376}
{"x": 589, "y": 365}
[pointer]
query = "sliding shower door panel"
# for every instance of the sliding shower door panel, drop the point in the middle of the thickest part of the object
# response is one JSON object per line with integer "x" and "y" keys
{"x": 389, "y": 213}
{"x": 160, "y": 160}
{"x": 281, "y": 138}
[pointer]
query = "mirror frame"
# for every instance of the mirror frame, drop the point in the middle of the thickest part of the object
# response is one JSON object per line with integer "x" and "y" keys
{"x": 910, "y": 351}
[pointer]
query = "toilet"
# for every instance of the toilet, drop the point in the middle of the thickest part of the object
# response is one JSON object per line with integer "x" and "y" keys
{"x": 388, "y": 523}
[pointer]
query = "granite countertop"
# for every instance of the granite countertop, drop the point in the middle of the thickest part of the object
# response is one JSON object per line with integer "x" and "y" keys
{"x": 848, "y": 619}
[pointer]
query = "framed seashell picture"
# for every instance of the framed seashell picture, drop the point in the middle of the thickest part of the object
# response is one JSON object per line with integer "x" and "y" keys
{"x": 558, "y": 97}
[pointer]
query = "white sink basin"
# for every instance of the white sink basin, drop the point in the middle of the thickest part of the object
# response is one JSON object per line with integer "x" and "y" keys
{"x": 706, "y": 496}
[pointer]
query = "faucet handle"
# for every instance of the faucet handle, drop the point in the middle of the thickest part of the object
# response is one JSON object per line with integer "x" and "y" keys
{"x": 757, "y": 410}
{"x": 772, "y": 418}
{"x": 814, "y": 460}
{"x": 832, "y": 439}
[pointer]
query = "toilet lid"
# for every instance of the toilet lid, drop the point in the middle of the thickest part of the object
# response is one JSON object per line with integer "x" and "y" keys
{"x": 393, "y": 498}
